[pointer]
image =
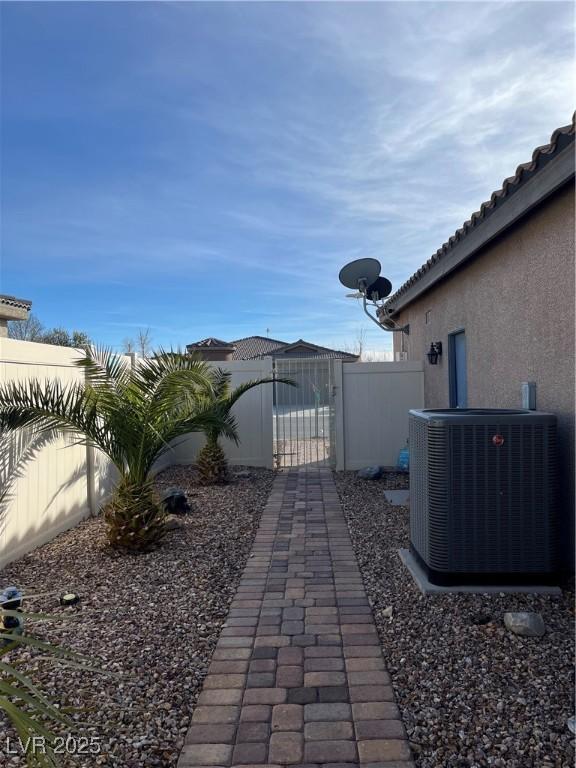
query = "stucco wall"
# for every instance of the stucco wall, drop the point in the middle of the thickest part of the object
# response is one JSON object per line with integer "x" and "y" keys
{"x": 213, "y": 355}
{"x": 516, "y": 304}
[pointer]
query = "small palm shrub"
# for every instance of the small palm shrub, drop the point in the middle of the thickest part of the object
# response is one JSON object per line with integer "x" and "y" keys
{"x": 211, "y": 463}
{"x": 32, "y": 714}
{"x": 131, "y": 414}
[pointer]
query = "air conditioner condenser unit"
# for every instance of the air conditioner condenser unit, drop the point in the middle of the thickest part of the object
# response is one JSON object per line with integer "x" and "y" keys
{"x": 483, "y": 504}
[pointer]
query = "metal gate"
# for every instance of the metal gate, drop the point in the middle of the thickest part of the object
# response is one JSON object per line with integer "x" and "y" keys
{"x": 304, "y": 415}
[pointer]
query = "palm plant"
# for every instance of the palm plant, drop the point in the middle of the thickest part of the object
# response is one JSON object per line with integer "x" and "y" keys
{"x": 30, "y": 711}
{"x": 131, "y": 414}
{"x": 211, "y": 462}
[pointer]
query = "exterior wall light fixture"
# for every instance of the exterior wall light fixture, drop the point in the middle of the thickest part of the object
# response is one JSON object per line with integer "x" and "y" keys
{"x": 434, "y": 352}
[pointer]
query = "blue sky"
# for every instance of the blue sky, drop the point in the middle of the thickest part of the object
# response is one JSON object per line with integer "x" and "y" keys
{"x": 207, "y": 168}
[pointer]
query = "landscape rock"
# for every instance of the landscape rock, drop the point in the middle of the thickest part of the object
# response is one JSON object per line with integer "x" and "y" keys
{"x": 398, "y": 498}
{"x": 151, "y": 621}
{"x": 525, "y": 623}
{"x": 370, "y": 473}
{"x": 471, "y": 694}
{"x": 172, "y": 523}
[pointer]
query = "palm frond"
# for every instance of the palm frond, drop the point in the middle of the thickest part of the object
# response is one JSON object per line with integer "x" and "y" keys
{"x": 48, "y": 406}
{"x": 27, "y": 727}
{"x": 241, "y": 389}
{"x": 11, "y": 672}
{"x": 221, "y": 382}
{"x": 209, "y": 419}
{"x": 168, "y": 369}
{"x": 33, "y": 642}
{"x": 29, "y": 711}
{"x": 104, "y": 368}
{"x": 130, "y": 413}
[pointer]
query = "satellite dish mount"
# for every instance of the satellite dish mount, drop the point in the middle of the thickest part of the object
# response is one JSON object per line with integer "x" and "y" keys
{"x": 363, "y": 275}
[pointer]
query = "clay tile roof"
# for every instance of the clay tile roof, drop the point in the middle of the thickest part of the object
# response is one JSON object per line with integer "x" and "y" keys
{"x": 12, "y": 301}
{"x": 317, "y": 351}
{"x": 559, "y": 140}
{"x": 251, "y": 347}
{"x": 211, "y": 343}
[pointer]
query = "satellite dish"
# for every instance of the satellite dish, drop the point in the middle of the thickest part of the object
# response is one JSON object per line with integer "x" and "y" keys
{"x": 363, "y": 277}
{"x": 361, "y": 270}
{"x": 379, "y": 289}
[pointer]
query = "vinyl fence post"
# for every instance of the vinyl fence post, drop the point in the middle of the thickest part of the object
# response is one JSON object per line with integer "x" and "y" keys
{"x": 91, "y": 497}
{"x": 91, "y": 480}
{"x": 339, "y": 414}
{"x": 267, "y": 413}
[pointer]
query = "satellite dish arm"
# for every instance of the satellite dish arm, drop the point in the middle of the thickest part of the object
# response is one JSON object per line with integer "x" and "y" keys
{"x": 403, "y": 329}
{"x": 363, "y": 275}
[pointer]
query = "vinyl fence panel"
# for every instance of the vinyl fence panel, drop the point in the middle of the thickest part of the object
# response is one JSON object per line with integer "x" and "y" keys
{"x": 372, "y": 404}
{"x": 56, "y": 484}
{"x": 47, "y": 486}
{"x": 253, "y": 413}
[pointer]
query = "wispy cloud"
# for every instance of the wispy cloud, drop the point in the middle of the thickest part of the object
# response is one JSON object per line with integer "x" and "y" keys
{"x": 231, "y": 157}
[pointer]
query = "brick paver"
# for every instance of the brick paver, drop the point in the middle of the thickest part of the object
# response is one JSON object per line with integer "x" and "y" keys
{"x": 297, "y": 675}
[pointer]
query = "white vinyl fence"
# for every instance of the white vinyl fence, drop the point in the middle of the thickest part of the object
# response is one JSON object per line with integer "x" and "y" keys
{"x": 51, "y": 486}
{"x": 253, "y": 413}
{"x": 56, "y": 484}
{"x": 48, "y": 486}
{"x": 344, "y": 415}
{"x": 372, "y": 401}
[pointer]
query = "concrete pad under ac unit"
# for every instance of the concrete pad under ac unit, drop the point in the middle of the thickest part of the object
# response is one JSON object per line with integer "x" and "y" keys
{"x": 427, "y": 588}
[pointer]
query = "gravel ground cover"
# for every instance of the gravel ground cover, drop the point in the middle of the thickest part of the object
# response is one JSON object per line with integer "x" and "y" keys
{"x": 153, "y": 619}
{"x": 471, "y": 693}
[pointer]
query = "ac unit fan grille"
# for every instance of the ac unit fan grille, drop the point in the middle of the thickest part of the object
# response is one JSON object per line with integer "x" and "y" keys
{"x": 481, "y": 508}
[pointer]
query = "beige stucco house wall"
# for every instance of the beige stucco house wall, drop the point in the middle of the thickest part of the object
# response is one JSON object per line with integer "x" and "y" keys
{"x": 515, "y": 299}
{"x": 516, "y": 304}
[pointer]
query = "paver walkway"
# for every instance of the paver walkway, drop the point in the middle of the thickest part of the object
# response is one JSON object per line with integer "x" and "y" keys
{"x": 297, "y": 676}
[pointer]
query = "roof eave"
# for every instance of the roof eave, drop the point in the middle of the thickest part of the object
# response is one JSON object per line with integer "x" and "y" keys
{"x": 13, "y": 308}
{"x": 192, "y": 348}
{"x": 552, "y": 177}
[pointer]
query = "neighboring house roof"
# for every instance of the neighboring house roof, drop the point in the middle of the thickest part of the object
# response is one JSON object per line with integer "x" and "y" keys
{"x": 261, "y": 346}
{"x": 551, "y": 167}
{"x": 315, "y": 350}
{"x": 252, "y": 347}
{"x": 12, "y": 301}
{"x": 211, "y": 343}
{"x": 12, "y": 308}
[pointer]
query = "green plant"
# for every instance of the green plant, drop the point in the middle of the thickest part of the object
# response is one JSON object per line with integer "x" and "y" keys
{"x": 132, "y": 414}
{"x": 30, "y": 712}
{"x": 220, "y": 399}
